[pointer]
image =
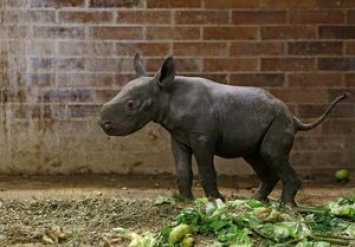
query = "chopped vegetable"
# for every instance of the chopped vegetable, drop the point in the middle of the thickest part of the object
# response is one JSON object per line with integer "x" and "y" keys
{"x": 248, "y": 223}
{"x": 342, "y": 175}
{"x": 136, "y": 240}
{"x": 178, "y": 233}
{"x": 188, "y": 241}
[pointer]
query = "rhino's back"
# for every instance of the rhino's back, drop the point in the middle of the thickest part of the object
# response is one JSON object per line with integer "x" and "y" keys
{"x": 243, "y": 114}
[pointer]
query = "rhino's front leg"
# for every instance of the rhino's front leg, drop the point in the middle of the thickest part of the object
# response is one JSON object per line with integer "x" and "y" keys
{"x": 204, "y": 153}
{"x": 183, "y": 155}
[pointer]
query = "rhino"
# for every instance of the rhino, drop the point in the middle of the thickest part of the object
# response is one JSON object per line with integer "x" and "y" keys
{"x": 206, "y": 118}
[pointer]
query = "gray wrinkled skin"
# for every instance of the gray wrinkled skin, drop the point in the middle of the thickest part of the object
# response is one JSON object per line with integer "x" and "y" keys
{"x": 205, "y": 119}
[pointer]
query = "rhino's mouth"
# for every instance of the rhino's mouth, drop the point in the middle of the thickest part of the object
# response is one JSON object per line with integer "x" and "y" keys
{"x": 113, "y": 129}
{"x": 117, "y": 129}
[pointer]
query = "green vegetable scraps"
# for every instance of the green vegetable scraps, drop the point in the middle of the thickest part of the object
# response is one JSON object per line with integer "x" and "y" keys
{"x": 249, "y": 223}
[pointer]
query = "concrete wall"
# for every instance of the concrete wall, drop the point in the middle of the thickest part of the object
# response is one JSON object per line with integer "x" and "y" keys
{"x": 61, "y": 59}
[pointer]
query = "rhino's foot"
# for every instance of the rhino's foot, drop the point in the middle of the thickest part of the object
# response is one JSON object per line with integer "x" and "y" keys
{"x": 215, "y": 195}
{"x": 186, "y": 195}
{"x": 260, "y": 197}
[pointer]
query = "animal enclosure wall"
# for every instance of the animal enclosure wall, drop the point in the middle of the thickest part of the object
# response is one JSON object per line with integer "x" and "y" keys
{"x": 61, "y": 59}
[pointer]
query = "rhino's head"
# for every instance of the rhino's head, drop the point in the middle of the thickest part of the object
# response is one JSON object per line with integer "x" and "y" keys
{"x": 138, "y": 102}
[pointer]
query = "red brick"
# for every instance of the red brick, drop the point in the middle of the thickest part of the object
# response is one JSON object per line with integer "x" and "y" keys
{"x": 25, "y": 16}
{"x": 329, "y": 158}
{"x": 351, "y": 17}
{"x": 109, "y": 64}
{"x": 173, "y": 4}
{"x": 228, "y": 4}
{"x": 145, "y": 49}
{"x": 287, "y": 64}
{"x": 182, "y": 65}
{"x": 288, "y": 32}
{"x": 350, "y": 80}
{"x": 115, "y": 3}
{"x": 27, "y": 111}
{"x": 55, "y": 111}
{"x": 79, "y": 80}
{"x": 17, "y": 47}
{"x": 57, "y": 3}
{"x": 200, "y": 49}
{"x": 315, "y": 48}
{"x": 216, "y": 77}
{"x": 350, "y": 48}
{"x": 259, "y": 17}
{"x": 14, "y": 3}
{"x": 173, "y": 33}
{"x": 350, "y": 141}
{"x": 85, "y": 48}
{"x": 301, "y": 95}
{"x": 40, "y": 48}
{"x": 333, "y": 93}
{"x": 308, "y": 143}
{"x": 316, "y": 17}
{"x": 84, "y": 111}
{"x": 230, "y": 64}
{"x": 258, "y": 79}
{"x": 289, "y": 4}
{"x": 104, "y": 95}
{"x": 14, "y": 64}
{"x": 230, "y": 33}
{"x": 17, "y": 32}
{"x": 315, "y": 111}
{"x": 144, "y": 17}
{"x": 300, "y": 159}
{"x": 338, "y": 127}
{"x": 121, "y": 79}
{"x": 317, "y": 79}
{"x": 45, "y": 64}
{"x": 257, "y": 48}
{"x": 336, "y": 3}
{"x": 42, "y": 79}
{"x": 201, "y": 17}
{"x": 65, "y": 95}
{"x": 188, "y": 64}
{"x": 85, "y": 16}
{"x": 54, "y": 32}
{"x": 336, "y": 64}
{"x": 116, "y": 33}
{"x": 337, "y": 32}
{"x": 3, "y": 34}
{"x": 313, "y": 132}
{"x": 10, "y": 95}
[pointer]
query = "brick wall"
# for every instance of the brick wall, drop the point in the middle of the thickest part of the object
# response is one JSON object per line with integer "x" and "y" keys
{"x": 61, "y": 59}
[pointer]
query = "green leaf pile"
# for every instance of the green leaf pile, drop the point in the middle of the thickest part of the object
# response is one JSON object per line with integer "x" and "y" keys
{"x": 248, "y": 223}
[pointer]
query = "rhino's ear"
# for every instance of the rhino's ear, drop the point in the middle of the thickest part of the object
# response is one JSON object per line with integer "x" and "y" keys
{"x": 166, "y": 75}
{"x": 138, "y": 65}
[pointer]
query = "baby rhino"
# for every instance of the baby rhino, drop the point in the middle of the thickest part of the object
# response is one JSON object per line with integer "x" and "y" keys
{"x": 204, "y": 119}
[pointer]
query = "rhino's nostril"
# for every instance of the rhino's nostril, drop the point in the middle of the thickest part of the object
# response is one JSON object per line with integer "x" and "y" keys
{"x": 107, "y": 125}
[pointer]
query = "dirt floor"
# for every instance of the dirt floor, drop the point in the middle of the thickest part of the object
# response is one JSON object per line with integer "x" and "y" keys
{"x": 89, "y": 206}
{"x": 149, "y": 187}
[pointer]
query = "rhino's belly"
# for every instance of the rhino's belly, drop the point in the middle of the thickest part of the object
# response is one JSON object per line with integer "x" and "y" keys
{"x": 239, "y": 144}
{"x": 235, "y": 150}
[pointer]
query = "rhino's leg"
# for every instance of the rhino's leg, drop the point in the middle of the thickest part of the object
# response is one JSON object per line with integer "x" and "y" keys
{"x": 275, "y": 150}
{"x": 267, "y": 176}
{"x": 204, "y": 152}
{"x": 184, "y": 174}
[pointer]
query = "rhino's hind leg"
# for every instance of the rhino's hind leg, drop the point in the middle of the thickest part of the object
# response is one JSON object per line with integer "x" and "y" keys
{"x": 275, "y": 150}
{"x": 267, "y": 176}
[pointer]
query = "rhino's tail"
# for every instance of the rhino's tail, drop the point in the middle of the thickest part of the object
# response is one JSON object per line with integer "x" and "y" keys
{"x": 303, "y": 127}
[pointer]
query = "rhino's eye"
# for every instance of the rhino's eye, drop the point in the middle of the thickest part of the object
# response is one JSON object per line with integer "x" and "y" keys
{"x": 130, "y": 105}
